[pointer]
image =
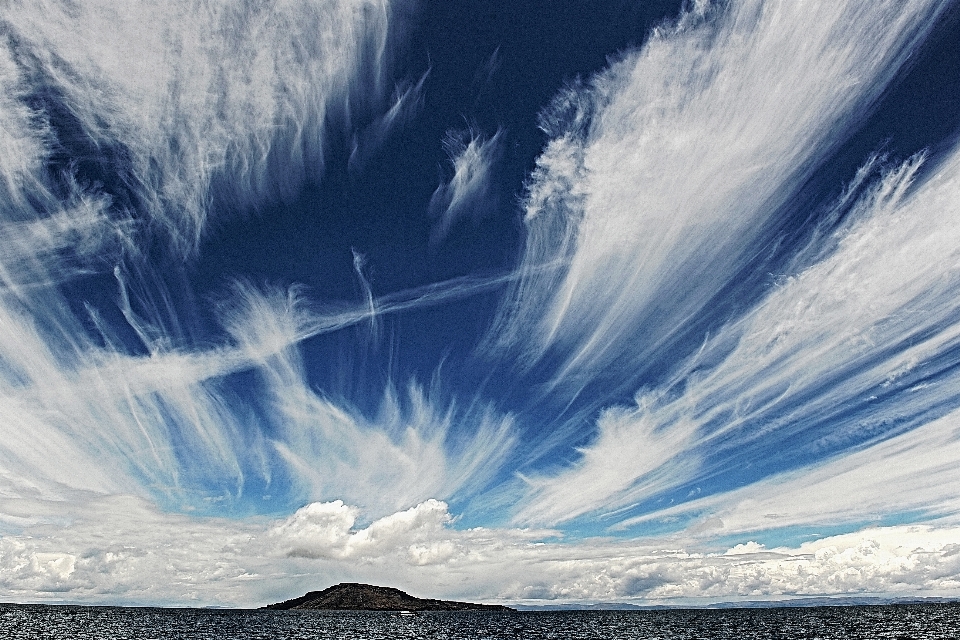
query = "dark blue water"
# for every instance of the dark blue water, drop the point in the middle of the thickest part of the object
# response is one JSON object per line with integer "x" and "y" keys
{"x": 922, "y": 622}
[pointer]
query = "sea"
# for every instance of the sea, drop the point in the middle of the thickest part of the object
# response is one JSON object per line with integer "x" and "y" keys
{"x": 908, "y": 621}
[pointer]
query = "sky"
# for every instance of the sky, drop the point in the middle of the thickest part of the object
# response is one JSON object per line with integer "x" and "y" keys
{"x": 538, "y": 302}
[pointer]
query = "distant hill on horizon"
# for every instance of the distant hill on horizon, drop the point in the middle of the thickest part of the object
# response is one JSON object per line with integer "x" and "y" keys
{"x": 354, "y": 596}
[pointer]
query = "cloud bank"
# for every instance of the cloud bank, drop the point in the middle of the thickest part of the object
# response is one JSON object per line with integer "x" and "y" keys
{"x": 150, "y": 557}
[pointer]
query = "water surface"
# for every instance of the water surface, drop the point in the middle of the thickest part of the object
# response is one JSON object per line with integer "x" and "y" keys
{"x": 922, "y": 621}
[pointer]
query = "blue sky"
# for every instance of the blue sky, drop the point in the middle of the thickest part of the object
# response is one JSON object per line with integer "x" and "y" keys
{"x": 566, "y": 301}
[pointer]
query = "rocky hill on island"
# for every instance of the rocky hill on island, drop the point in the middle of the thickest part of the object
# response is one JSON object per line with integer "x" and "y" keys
{"x": 353, "y": 596}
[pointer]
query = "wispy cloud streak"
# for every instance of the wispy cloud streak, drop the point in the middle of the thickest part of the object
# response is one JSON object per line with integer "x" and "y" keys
{"x": 857, "y": 348}
{"x": 402, "y": 456}
{"x": 665, "y": 175}
{"x": 468, "y": 192}
{"x": 182, "y": 98}
{"x": 115, "y": 151}
{"x": 913, "y": 474}
{"x": 166, "y": 423}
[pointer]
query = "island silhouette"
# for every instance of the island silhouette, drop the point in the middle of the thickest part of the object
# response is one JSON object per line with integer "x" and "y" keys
{"x": 354, "y": 596}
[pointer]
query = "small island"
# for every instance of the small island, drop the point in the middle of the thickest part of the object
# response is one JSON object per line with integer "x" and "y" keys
{"x": 353, "y": 596}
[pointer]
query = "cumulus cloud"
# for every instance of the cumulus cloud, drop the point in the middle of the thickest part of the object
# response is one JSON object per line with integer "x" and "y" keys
{"x": 120, "y": 549}
{"x": 516, "y": 564}
{"x": 321, "y": 530}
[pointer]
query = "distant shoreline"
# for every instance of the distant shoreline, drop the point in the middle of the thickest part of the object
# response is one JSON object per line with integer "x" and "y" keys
{"x": 535, "y": 608}
{"x": 791, "y": 603}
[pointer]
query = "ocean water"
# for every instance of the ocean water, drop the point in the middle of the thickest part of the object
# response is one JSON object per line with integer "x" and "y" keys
{"x": 921, "y": 622}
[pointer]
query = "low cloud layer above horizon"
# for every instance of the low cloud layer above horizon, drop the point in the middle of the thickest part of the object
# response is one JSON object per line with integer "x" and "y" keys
{"x": 637, "y": 302}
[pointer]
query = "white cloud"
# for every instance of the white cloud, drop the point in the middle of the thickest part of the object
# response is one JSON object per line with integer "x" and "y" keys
{"x": 665, "y": 171}
{"x": 914, "y": 473}
{"x": 406, "y": 102}
{"x": 121, "y": 550}
{"x": 467, "y": 194}
{"x": 166, "y": 425}
{"x": 191, "y": 96}
{"x": 321, "y": 530}
{"x": 398, "y": 459}
{"x": 179, "y": 96}
{"x": 841, "y": 355}
{"x": 190, "y": 92}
